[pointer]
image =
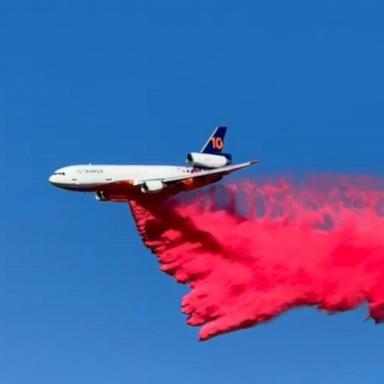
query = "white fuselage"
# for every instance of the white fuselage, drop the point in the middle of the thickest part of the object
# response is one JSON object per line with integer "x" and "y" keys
{"x": 93, "y": 177}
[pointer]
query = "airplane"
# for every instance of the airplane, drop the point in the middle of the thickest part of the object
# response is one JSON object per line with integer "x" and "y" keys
{"x": 122, "y": 183}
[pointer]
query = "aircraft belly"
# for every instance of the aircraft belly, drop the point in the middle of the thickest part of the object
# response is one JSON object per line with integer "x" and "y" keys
{"x": 92, "y": 187}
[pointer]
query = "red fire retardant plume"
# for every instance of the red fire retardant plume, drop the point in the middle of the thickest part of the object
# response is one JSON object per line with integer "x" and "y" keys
{"x": 252, "y": 250}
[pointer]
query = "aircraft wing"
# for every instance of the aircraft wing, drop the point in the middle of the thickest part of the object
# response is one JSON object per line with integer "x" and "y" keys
{"x": 212, "y": 172}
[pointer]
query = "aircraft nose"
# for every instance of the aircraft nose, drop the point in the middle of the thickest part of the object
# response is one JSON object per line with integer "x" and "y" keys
{"x": 52, "y": 179}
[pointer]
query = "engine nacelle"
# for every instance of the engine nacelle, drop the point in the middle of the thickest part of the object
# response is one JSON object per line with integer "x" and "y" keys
{"x": 99, "y": 196}
{"x": 152, "y": 186}
{"x": 208, "y": 160}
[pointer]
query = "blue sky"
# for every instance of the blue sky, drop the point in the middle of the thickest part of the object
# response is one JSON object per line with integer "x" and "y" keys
{"x": 299, "y": 83}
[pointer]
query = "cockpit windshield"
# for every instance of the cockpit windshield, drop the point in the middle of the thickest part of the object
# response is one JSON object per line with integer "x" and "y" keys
{"x": 60, "y": 173}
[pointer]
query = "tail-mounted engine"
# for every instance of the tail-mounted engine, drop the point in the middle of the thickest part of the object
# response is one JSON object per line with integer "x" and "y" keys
{"x": 208, "y": 160}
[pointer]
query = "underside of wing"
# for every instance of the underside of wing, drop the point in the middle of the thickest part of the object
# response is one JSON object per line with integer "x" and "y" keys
{"x": 126, "y": 190}
{"x": 214, "y": 173}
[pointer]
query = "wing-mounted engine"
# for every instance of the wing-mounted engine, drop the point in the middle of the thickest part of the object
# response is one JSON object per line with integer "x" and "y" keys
{"x": 208, "y": 160}
{"x": 152, "y": 186}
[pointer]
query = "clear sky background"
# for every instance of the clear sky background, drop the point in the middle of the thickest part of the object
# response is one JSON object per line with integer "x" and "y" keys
{"x": 299, "y": 83}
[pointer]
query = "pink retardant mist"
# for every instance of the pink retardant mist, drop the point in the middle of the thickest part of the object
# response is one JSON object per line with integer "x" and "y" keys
{"x": 251, "y": 250}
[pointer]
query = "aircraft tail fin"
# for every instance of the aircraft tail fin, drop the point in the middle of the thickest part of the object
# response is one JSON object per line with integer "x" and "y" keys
{"x": 215, "y": 143}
